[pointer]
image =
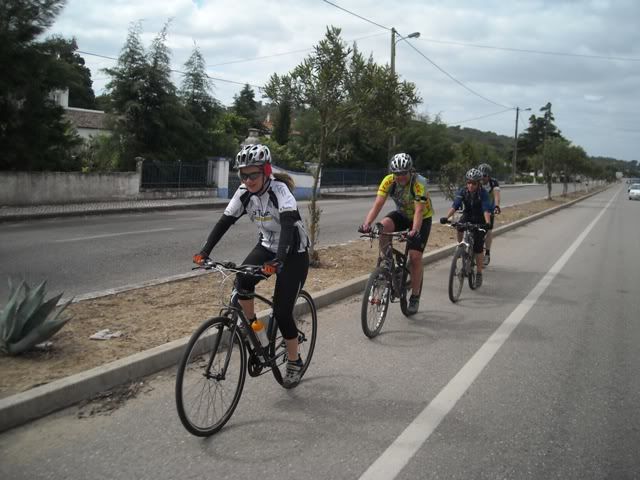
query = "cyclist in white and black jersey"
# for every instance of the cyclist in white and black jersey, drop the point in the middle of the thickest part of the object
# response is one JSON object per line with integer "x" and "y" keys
{"x": 282, "y": 247}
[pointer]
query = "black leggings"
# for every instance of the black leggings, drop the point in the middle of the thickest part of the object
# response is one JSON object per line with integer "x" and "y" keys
{"x": 288, "y": 283}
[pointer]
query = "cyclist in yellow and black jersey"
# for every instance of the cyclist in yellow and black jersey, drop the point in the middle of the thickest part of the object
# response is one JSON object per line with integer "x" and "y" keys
{"x": 413, "y": 212}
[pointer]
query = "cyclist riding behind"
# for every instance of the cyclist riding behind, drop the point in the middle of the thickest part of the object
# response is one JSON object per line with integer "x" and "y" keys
{"x": 477, "y": 209}
{"x": 413, "y": 212}
{"x": 282, "y": 245}
{"x": 492, "y": 187}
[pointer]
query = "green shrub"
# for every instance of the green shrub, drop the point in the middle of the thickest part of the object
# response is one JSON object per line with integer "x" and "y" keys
{"x": 27, "y": 319}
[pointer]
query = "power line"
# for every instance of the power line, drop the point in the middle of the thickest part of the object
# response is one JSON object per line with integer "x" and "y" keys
{"x": 469, "y": 89}
{"x": 286, "y": 53}
{"x": 176, "y": 71}
{"x": 479, "y": 118}
{"x": 356, "y": 15}
{"x": 423, "y": 55}
{"x": 537, "y": 52}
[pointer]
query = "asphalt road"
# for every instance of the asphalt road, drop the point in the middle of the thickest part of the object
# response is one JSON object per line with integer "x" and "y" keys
{"x": 533, "y": 376}
{"x": 80, "y": 255}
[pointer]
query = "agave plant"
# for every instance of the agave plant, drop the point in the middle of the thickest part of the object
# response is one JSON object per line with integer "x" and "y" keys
{"x": 27, "y": 319}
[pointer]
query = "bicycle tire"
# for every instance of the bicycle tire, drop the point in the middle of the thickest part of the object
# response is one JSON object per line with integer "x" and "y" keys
{"x": 209, "y": 346}
{"x": 472, "y": 272}
{"x": 306, "y": 318}
{"x": 406, "y": 288}
{"x": 377, "y": 293}
{"x": 456, "y": 274}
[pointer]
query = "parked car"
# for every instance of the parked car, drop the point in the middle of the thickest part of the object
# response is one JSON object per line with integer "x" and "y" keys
{"x": 634, "y": 192}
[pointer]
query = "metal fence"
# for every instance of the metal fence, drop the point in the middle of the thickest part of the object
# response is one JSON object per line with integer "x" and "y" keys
{"x": 173, "y": 174}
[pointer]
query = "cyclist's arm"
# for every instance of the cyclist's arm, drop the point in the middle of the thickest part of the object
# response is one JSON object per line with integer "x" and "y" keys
{"x": 287, "y": 234}
{"x": 496, "y": 196}
{"x": 217, "y": 233}
{"x": 451, "y": 212}
{"x": 417, "y": 216}
{"x": 375, "y": 210}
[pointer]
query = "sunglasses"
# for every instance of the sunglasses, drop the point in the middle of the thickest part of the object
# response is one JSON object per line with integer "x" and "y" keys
{"x": 401, "y": 174}
{"x": 471, "y": 182}
{"x": 249, "y": 176}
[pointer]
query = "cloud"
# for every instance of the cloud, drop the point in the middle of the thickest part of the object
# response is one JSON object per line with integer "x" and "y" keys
{"x": 228, "y": 31}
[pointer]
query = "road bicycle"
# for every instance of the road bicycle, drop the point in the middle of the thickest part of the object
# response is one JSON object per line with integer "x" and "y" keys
{"x": 389, "y": 282}
{"x": 223, "y": 349}
{"x": 463, "y": 264}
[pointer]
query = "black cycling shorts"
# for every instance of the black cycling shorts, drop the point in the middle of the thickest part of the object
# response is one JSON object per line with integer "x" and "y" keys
{"x": 478, "y": 236}
{"x": 401, "y": 222}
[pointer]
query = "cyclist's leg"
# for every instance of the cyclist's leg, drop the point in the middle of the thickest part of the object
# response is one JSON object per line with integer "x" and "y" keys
{"x": 247, "y": 283}
{"x": 488, "y": 238}
{"x": 478, "y": 249}
{"x": 288, "y": 283}
{"x": 416, "y": 249}
{"x": 390, "y": 223}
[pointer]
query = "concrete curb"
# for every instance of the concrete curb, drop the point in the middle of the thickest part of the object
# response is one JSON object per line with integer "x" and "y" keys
{"x": 40, "y": 401}
{"x": 18, "y": 217}
{"x": 109, "y": 211}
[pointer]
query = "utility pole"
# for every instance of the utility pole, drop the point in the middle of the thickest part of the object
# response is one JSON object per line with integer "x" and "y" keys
{"x": 394, "y": 32}
{"x": 393, "y": 72}
{"x": 515, "y": 146}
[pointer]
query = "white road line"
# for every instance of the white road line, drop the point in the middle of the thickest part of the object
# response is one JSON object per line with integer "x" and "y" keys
{"x": 396, "y": 457}
{"x": 107, "y": 235}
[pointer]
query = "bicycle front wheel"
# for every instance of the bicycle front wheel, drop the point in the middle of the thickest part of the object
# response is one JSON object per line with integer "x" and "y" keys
{"x": 456, "y": 275}
{"x": 210, "y": 377}
{"x": 473, "y": 269}
{"x": 306, "y": 317}
{"x": 375, "y": 302}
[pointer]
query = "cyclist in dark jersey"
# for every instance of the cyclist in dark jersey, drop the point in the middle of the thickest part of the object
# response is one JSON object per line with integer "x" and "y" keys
{"x": 413, "y": 212}
{"x": 477, "y": 209}
{"x": 492, "y": 187}
{"x": 282, "y": 246}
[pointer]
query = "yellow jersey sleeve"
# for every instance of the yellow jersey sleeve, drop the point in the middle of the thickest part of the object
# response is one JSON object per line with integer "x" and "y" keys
{"x": 385, "y": 185}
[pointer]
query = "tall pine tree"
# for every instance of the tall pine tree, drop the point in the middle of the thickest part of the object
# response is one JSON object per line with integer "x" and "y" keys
{"x": 33, "y": 133}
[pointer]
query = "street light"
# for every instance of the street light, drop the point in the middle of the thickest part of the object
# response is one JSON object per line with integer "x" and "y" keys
{"x": 394, "y": 32}
{"x": 515, "y": 144}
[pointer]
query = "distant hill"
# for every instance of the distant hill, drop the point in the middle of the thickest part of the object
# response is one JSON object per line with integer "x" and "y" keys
{"x": 502, "y": 143}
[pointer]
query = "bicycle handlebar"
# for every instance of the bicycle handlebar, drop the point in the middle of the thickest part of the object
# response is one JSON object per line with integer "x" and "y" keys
{"x": 209, "y": 264}
{"x": 467, "y": 226}
{"x": 376, "y": 231}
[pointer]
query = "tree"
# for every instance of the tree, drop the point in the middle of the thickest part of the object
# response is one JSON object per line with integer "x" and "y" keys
{"x": 533, "y": 138}
{"x": 282, "y": 124}
{"x": 81, "y": 94}
{"x": 320, "y": 82}
{"x": 125, "y": 94}
{"x": 428, "y": 143}
{"x": 33, "y": 132}
{"x": 196, "y": 90}
{"x": 152, "y": 121}
{"x": 245, "y": 105}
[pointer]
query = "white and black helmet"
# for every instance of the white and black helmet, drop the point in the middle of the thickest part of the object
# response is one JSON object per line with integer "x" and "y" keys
{"x": 474, "y": 175}
{"x": 250, "y": 155}
{"x": 485, "y": 169}
{"x": 401, "y": 162}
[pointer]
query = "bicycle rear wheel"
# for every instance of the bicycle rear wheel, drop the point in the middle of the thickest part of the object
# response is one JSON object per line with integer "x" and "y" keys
{"x": 456, "y": 274}
{"x": 375, "y": 302}
{"x": 306, "y": 318}
{"x": 210, "y": 377}
{"x": 406, "y": 288}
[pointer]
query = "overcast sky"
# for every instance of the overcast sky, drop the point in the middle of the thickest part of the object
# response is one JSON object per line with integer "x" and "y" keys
{"x": 583, "y": 56}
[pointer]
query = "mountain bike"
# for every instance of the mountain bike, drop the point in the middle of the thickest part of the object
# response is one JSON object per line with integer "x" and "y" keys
{"x": 389, "y": 282}
{"x": 463, "y": 264}
{"x": 223, "y": 349}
